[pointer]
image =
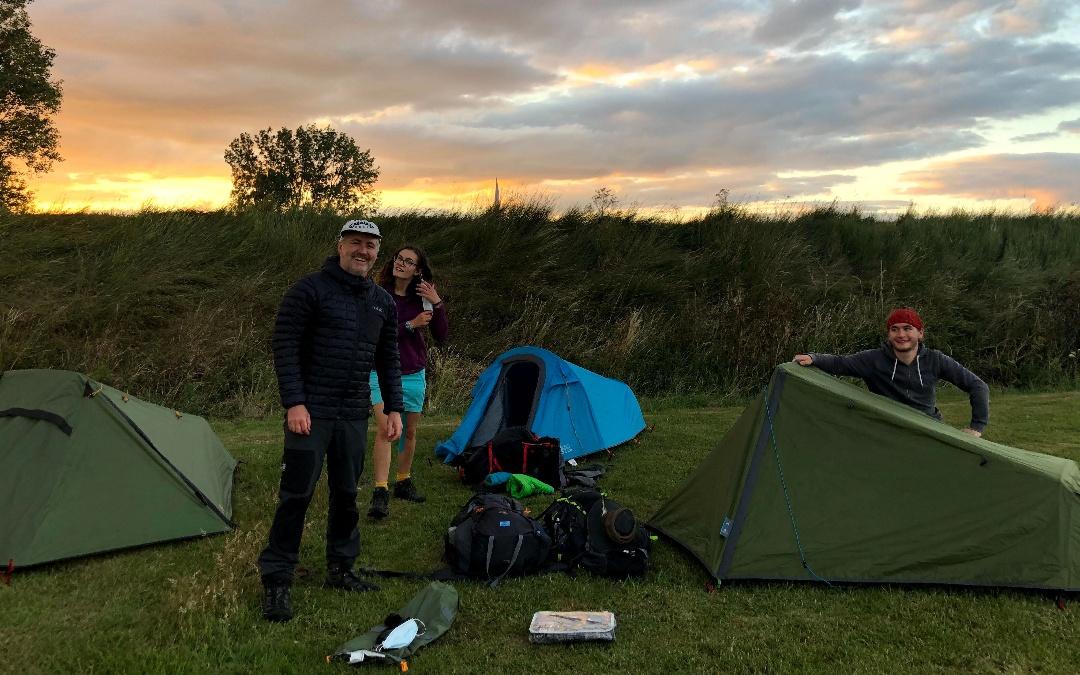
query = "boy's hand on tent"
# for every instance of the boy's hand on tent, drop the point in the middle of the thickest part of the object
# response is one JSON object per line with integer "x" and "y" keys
{"x": 972, "y": 432}
{"x": 393, "y": 426}
{"x": 298, "y": 420}
{"x": 803, "y": 359}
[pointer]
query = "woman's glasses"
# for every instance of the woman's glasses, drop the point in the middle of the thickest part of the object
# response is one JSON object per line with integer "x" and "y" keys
{"x": 406, "y": 262}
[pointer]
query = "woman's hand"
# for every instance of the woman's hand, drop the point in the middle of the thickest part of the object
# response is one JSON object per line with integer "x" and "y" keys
{"x": 426, "y": 289}
{"x": 420, "y": 320}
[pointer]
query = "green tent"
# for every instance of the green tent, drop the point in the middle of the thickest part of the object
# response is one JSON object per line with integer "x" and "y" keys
{"x": 822, "y": 479}
{"x": 85, "y": 468}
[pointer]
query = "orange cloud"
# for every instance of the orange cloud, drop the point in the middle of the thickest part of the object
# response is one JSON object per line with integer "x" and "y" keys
{"x": 1046, "y": 180}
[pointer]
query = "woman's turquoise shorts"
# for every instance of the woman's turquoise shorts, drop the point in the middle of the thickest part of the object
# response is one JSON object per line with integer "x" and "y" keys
{"x": 413, "y": 387}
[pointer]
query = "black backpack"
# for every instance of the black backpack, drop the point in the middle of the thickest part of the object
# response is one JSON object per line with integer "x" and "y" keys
{"x": 514, "y": 450}
{"x": 491, "y": 537}
{"x": 590, "y": 530}
{"x": 566, "y": 522}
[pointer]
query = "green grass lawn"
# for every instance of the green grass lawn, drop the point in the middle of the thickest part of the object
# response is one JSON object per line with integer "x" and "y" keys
{"x": 194, "y": 606}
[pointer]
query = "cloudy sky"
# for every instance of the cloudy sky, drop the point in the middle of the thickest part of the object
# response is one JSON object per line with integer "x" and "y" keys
{"x": 973, "y": 103}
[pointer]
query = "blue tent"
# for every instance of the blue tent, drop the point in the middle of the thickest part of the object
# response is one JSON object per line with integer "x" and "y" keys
{"x": 534, "y": 388}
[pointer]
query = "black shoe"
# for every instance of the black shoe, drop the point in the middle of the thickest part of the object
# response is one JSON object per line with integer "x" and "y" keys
{"x": 277, "y": 606}
{"x": 338, "y": 576}
{"x": 406, "y": 489}
{"x": 380, "y": 504}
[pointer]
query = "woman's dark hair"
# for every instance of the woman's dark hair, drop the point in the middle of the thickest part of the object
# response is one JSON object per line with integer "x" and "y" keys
{"x": 386, "y": 274}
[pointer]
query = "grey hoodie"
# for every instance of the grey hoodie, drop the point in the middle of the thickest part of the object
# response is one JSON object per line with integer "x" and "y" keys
{"x": 912, "y": 385}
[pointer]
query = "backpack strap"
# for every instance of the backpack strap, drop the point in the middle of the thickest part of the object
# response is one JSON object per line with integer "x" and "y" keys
{"x": 513, "y": 559}
{"x": 493, "y": 462}
{"x": 397, "y": 574}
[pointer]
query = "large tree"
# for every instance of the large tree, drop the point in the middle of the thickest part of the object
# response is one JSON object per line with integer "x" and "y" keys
{"x": 29, "y": 99}
{"x": 312, "y": 165}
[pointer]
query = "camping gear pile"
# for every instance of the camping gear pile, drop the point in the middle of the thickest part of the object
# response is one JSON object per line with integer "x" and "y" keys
{"x": 531, "y": 412}
{"x": 493, "y": 537}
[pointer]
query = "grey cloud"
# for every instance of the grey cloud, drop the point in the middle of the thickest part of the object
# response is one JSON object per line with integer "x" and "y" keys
{"x": 811, "y": 111}
{"x": 1070, "y": 126}
{"x": 818, "y": 94}
{"x": 808, "y": 113}
{"x": 953, "y": 8}
{"x": 1046, "y": 178}
{"x": 1028, "y": 138}
{"x": 624, "y": 31}
{"x": 790, "y": 20}
{"x": 933, "y": 25}
{"x": 303, "y": 60}
{"x": 1029, "y": 18}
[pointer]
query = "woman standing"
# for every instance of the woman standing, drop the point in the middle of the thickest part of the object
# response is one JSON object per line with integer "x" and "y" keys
{"x": 409, "y": 279}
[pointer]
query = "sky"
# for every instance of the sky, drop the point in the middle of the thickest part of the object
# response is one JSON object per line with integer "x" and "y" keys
{"x": 938, "y": 104}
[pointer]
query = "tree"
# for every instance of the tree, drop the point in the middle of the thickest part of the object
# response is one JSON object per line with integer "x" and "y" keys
{"x": 604, "y": 200}
{"x": 28, "y": 101}
{"x": 312, "y": 165}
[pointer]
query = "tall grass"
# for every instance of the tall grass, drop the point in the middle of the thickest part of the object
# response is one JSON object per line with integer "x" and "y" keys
{"x": 178, "y": 306}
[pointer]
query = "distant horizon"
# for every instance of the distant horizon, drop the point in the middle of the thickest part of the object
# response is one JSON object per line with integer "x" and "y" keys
{"x": 669, "y": 212}
{"x": 972, "y": 105}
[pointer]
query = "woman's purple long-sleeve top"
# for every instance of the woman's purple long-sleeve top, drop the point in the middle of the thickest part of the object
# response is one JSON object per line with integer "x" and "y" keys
{"x": 411, "y": 344}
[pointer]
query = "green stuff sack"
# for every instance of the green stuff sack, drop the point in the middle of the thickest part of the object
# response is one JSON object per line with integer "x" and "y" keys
{"x": 521, "y": 486}
{"x": 435, "y": 608}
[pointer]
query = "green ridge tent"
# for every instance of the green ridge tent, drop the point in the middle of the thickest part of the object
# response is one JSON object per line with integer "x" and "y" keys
{"x": 875, "y": 492}
{"x": 85, "y": 468}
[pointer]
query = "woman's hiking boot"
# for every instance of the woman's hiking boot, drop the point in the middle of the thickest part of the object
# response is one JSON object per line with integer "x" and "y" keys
{"x": 277, "y": 605}
{"x": 380, "y": 504}
{"x": 340, "y": 576}
{"x": 406, "y": 489}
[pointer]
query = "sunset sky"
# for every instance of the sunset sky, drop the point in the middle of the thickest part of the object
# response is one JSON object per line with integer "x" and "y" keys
{"x": 973, "y": 103}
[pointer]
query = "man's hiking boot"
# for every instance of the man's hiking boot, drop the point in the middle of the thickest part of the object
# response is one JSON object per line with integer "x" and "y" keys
{"x": 406, "y": 489}
{"x": 277, "y": 605}
{"x": 380, "y": 504}
{"x": 339, "y": 576}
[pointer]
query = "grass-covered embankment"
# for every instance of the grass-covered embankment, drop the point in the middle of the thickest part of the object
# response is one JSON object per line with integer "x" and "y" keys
{"x": 177, "y": 306}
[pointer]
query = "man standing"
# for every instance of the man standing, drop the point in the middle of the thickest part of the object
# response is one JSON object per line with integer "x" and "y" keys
{"x": 333, "y": 326}
{"x": 905, "y": 370}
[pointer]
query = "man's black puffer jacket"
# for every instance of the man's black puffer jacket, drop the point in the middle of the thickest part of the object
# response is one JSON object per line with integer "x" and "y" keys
{"x": 331, "y": 329}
